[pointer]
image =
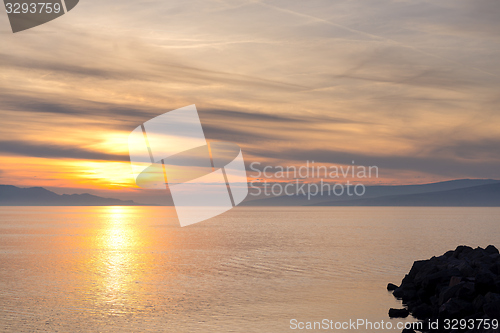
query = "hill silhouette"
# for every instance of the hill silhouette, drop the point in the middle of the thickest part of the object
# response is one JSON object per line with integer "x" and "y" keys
{"x": 38, "y": 196}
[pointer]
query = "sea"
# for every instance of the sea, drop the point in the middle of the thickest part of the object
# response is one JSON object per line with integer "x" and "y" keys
{"x": 251, "y": 269}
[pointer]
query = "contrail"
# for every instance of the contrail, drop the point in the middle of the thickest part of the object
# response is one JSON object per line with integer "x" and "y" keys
{"x": 385, "y": 39}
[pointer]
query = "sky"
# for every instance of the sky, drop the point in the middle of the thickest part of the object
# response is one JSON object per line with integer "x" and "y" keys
{"x": 409, "y": 86}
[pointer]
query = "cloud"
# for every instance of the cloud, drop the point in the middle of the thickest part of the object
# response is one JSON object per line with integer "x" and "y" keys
{"x": 55, "y": 151}
{"x": 387, "y": 164}
{"x": 408, "y": 85}
{"x": 481, "y": 150}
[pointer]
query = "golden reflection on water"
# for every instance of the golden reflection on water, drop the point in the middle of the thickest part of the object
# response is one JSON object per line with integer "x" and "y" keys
{"x": 120, "y": 254}
{"x": 119, "y": 259}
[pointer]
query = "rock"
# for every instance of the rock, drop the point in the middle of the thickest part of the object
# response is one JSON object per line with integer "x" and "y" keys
{"x": 430, "y": 282}
{"x": 398, "y": 313}
{"x": 455, "y": 280}
{"x": 408, "y": 295}
{"x": 490, "y": 249}
{"x": 478, "y": 303}
{"x": 460, "y": 284}
{"x": 461, "y": 250}
{"x": 449, "y": 254}
{"x": 392, "y": 287}
{"x": 411, "y": 305}
{"x": 456, "y": 308}
{"x": 485, "y": 282}
{"x": 449, "y": 292}
{"x": 467, "y": 292}
{"x": 492, "y": 305}
{"x": 423, "y": 311}
{"x": 465, "y": 269}
{"x": 398, "y": 293}
{"x": 495, "y": 268}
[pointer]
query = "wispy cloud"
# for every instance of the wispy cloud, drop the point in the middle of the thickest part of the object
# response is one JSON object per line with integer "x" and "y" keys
{"x": 410, "y": 85}
{"x": 54, "y": 151}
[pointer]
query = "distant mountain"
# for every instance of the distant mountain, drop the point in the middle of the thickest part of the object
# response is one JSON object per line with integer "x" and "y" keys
{"x": 371, "y": 192}
{"x": 462, "y": 192}
{"x": 38, "y": 196}
{"x": 476, "y": 196}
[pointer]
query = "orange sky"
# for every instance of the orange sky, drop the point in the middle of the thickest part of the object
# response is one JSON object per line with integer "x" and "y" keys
{"x": 409, "y": 87}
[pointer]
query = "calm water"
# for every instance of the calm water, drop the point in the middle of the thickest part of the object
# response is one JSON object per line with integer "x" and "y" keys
{"x": 133, "y": 269}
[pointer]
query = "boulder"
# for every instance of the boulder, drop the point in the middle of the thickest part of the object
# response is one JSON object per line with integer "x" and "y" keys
{"x": 460, "y": 284}
{"x": 491, "y": 305}
{"x": 449, "y": 292}
{"x": 398, "y": 313}
{"x": 455, "y": 280}
{"x": 392, "y": 287}
{"x": 490, "y": 249}
{"x": 456, "y": 309}
{"x": 485, "y": 282}
{"x": 423, "y": 311}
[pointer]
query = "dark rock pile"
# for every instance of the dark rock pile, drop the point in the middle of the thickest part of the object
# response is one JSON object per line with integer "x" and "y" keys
{"x": 460, "y": 284}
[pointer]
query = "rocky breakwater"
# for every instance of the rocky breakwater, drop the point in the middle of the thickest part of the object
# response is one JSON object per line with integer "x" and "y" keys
{"x": 456, "y": 292}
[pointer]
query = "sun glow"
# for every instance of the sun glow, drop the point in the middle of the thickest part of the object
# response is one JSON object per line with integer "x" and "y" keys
{"x": 109, "y": 175}
{"x": 66, "y": 173}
